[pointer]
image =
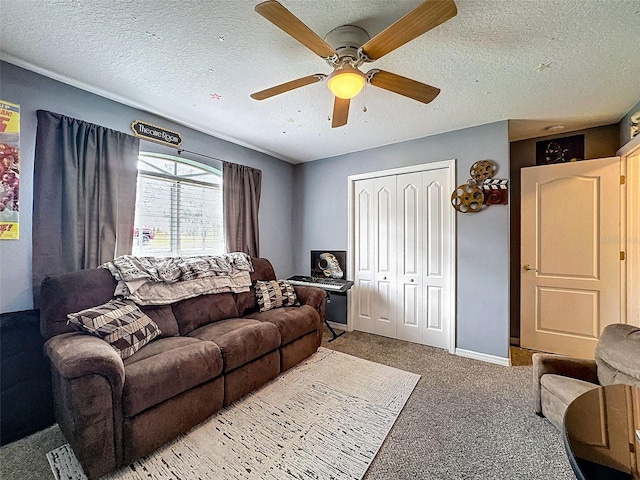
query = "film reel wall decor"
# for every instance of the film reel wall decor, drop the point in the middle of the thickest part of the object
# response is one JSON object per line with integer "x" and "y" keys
{"x": 481, "y": 189}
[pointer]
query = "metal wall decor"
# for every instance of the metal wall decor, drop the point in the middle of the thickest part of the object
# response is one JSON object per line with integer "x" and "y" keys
{"x": 156, "y": 134}
{"x": 481, "y": 189}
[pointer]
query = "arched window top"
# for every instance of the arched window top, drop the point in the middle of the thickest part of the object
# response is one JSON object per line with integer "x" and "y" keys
{"x": 160, "y": 164}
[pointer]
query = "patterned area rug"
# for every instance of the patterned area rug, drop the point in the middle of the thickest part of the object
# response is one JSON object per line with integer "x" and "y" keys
{"x": 324, "y": 419}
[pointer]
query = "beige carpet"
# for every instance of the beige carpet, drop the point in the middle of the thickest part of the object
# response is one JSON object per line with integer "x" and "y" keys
{"x": 326, "y": 418}
{"x": 465, "y": 420}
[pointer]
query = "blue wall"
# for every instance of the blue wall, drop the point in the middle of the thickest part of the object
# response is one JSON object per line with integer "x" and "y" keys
{"x": 34, "y": 92}
{"x": 320, "y": 219}
{"x": 314, "y": 193}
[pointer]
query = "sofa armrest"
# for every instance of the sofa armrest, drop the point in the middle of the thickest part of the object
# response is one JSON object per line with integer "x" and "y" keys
{"x": 549, "y": 363}
{"x": 74, "y": 355}
{"x": 312, "y": 296}
{"x": 88, "y": 379}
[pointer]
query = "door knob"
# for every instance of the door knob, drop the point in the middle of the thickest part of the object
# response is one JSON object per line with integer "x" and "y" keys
{"x": 528, "y": 267}
{"x": 411, "y": 280}
{"x": 384, "y": 278}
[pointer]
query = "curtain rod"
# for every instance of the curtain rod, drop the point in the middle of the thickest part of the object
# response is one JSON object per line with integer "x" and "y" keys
{"x": 180, "y": 150}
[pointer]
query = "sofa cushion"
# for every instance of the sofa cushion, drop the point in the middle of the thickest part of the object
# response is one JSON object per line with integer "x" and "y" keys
{"x": 292, "y": 322}
{"x": 164, "y": 318}
{"x": 241, "y": 340}
{"x": 274, "y": 294}
{"x": 195, "y": 312}
{"x": 246, "y": 301}
{"x": 118, "y": 322}
{"x": 618, "y": 355}
{"x": 557, "y": 392}
{"x": 166, "y": 368}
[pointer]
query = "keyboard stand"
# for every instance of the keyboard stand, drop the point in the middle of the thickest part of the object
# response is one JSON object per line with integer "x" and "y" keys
{"x": 326, "y": 322}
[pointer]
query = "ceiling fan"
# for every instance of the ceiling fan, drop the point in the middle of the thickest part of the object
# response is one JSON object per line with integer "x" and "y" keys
{"x": 347, "y": 47}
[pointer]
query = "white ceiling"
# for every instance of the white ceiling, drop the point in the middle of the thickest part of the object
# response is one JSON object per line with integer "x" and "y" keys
{"x": 569, "y": 62}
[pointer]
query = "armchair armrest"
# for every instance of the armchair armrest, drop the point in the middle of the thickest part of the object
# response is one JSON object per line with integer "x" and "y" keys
{"x": 548, "y": 363}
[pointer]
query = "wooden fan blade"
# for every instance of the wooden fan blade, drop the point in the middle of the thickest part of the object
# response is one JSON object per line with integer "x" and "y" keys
{"x": 287, "y": 21}
{"x": 340, "y": 112}
{"x": 285, "y": 87}
{"x": 404, "y": 86}
{"x": 420, "y": 20}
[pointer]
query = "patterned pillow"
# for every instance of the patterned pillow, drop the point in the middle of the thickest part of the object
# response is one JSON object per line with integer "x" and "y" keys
{"x": 120, "y": 323}
{"x": 274, "y": 294}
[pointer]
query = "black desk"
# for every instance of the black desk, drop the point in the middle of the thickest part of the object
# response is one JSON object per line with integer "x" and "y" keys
{"x": 599, "y": 433}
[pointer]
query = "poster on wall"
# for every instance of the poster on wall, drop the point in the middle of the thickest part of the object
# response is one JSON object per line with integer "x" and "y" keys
{"x": 9, "y": 170}
{"x": 560, "y": 150}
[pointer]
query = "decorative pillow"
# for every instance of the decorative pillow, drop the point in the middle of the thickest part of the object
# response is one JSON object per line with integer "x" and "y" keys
{"x": 120, "y": 323}
{"x": 274, "y": 294}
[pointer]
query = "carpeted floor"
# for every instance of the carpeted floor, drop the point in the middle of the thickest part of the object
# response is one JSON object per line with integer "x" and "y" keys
{"x": 465, "y": 419}
{"x": 328, "y": 415}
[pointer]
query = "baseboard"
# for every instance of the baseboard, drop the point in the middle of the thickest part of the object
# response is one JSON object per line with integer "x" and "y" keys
{"x": 339, "y": 326}
{"x": 514, "y": 341}
{"x": 484, "y": 357}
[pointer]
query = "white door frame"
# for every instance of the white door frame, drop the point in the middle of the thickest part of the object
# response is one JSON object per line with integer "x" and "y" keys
{"x": 450, "y": 165}
{"x": 630, "y": 232}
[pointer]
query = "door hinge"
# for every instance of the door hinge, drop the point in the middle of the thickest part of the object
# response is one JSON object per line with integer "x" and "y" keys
{"x": 622, "y": 256}
{"x": 623, "y": 179}
{"x": 632, "y": 447}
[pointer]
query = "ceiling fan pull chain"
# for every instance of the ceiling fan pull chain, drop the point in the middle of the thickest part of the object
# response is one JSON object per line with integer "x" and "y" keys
{"x": 364, "y": 98}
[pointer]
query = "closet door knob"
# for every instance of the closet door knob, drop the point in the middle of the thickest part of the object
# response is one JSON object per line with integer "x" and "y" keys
{"x": 411, "y": 280}
{"x": 384, "y": 278}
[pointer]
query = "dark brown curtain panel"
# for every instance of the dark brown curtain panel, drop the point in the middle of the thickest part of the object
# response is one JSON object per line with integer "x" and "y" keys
{"x": 84, "y": 191}
{"x": 241, "y": 199}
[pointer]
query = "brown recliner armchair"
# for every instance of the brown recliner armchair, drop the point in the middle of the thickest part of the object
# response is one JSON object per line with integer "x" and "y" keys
{"x": 558, "y": 380}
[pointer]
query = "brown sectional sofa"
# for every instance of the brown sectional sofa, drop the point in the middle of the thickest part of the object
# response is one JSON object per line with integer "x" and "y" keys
{"x": 213, "y": 350}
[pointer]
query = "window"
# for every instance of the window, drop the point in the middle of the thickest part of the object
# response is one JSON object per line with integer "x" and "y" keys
{"x": 178, "y": 208}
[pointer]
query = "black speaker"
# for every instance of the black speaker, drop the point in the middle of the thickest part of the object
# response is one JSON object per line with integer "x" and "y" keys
{"x": 26, "y": 400}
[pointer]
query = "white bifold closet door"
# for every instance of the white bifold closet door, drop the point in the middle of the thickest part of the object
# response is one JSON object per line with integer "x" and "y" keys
{"x": 401, "y": 241}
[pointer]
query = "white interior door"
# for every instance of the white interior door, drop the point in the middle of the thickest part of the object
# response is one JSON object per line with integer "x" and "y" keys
{"x": 384, "y": 208}
{"x": 437, "y": 270}
{"x": 410, "y": 207}
{"x": 423, "y": 218}
{"x": 376, "y": 261}
{"x": 364, "y": 256}
{"x": 403, "y": 257}
{"x": 570, "y": 278}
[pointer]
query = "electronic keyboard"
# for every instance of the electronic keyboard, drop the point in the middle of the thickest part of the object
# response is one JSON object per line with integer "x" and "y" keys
{"x": 330, "y": 284}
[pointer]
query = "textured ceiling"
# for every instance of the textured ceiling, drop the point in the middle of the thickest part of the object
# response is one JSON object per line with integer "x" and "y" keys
{"x": 540, "y": 62}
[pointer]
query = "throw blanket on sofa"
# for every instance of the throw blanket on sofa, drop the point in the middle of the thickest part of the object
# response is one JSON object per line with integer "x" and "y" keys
{"x": 161, "y": 281}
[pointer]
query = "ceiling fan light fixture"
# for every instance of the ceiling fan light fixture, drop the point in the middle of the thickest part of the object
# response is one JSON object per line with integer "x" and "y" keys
{"x": 346, "y": 82}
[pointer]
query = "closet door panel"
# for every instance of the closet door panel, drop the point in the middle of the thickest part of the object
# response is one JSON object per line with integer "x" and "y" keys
{"x": 385, "y": 256}
{"x": 410, "y": 257}
{"x": 434, "y": 193}
{"x": 403, "y": 272}
{"x": 436, "y": 223}
{"x": 364, "y": 259}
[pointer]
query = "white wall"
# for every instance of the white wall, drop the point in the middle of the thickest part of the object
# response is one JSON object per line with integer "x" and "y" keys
{"x": 320, "y": 219}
